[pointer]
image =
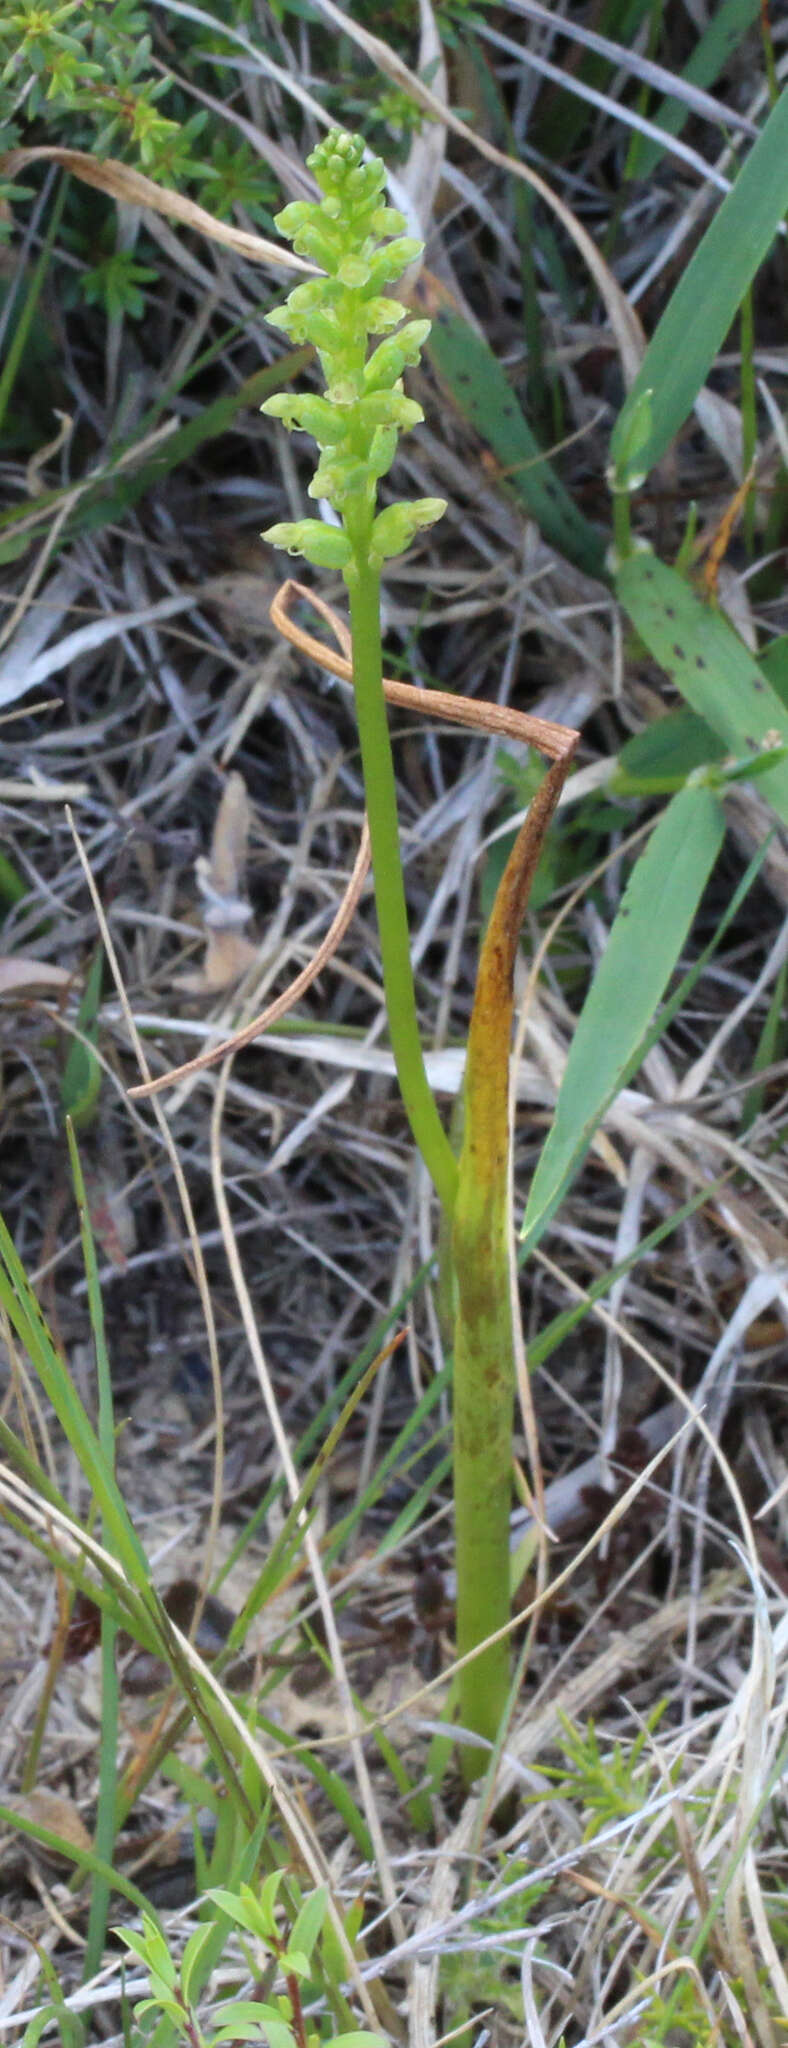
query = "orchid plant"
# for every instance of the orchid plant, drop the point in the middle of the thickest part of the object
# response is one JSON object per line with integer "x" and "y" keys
{"x": 361, "y": 248}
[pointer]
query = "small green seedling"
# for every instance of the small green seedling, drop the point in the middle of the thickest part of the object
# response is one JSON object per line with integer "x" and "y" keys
{"x": 269, "y": 1952}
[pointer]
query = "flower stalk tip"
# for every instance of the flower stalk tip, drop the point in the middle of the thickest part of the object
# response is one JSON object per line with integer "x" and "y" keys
{"x": 359, "y": 244}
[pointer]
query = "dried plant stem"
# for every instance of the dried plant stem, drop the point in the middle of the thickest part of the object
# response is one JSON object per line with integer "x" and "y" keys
{"x": 484, "y": 1377}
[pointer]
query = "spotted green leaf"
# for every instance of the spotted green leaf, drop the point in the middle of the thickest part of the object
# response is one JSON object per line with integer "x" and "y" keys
{"x": 709, "y": 664}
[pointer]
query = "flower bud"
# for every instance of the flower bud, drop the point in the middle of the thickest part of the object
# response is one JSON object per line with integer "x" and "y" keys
{"x": 312, "y": 414}
{"x": 388, "y": 408}
{"x": 389, "y": 359}
{"x": 326, "y": 546}
{"x": 381, "y": 315}
{"x": 393, "y": 530}
{"x": 389, "y": 263}
{"x": 354, "y": 272}
{"x": 293, "y": 217}
{"x": 339, "y": 476}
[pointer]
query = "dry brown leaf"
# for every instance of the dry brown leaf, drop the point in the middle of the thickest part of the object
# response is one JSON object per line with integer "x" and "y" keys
{"x": 51, "y": 1810}
{"x": 228, "y": 955}
{"x": 222, "y": 876}
{"x": 220, "y": 879}
{"x": 17, "y": 973}
{"x": 119, "y": 181}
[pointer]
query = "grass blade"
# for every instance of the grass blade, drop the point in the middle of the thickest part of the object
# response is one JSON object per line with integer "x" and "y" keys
{"x": 106, "y": 1825}
{"x": 646, "y": 938}
{"x": 27, "y": 1320}
{"x": 727, "y": 26}
{"x": 704, "y": 304}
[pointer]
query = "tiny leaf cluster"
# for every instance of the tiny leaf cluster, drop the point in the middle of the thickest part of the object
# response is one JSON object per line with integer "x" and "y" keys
{"x": 360, "y": 245}
{"x": 175, "y": 1988}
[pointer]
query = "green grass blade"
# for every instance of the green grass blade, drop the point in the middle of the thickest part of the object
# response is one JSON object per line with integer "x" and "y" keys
{"x": 106, "y": 1823}
{"x": 728, "y": 24}
{"x": 708, "y": 663}
{"x": 16, "y": 347}
{"x": 704, "y": 304}
{"x": 647, "y": 935}
{"x": 556, "y": 132}
{"x": 481, "y": 390}
{"x": 120, "y": 489}
{"x": 770, "y": 1047}
{"x": 27, "y": 1320}
{"x": 80, "y": 1086}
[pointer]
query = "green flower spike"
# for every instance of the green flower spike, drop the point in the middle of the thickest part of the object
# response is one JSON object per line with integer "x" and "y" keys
{"x": 359, "y": 244}
{"x": 357, "y": 423}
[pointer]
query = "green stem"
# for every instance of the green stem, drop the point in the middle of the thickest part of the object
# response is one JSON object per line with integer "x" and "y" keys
{"x": 622, "y": 526}
{"x": 381, "y": 801}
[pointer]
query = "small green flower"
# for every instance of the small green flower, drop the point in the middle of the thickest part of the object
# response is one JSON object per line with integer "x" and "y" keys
{"x": 327, "y": 546}
{"x": 359, "y": 244}
{"x": 394, "y": 528}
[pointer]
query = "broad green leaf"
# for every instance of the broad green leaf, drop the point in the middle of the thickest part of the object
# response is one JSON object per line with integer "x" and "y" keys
{"x": 774, "y": 662}
{"x": 645, "y": 942}
{"x": 709, "y": 664}
{"x": 545, "y": 1344}
{"x": 481, "y": 391}
{"x": 670, "y": 746}
{"x": 309, "y": 1921}
{"x": 708, "y": 295}
{"x": 192, "y": 1958}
